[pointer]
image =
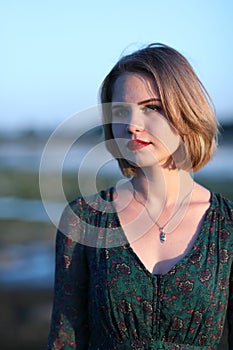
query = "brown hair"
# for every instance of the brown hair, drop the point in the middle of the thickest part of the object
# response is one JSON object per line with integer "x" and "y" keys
{"x": 185, "y": 101}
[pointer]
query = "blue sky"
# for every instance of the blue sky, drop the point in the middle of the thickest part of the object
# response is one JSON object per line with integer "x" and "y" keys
{"x": 54, "y": 54}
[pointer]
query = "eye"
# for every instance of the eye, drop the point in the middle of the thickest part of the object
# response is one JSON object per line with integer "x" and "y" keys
{"x": 119, "y": 112}
{"x": 152, "y": 108}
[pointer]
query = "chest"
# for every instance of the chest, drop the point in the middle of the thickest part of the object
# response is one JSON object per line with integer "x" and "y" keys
{"x": 160, "y": 256}
{"x": 123, "y": 293}
{"x": 119, "y": 274}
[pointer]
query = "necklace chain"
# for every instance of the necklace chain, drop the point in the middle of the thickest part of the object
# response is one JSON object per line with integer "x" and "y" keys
{"x": 162, "y": 234}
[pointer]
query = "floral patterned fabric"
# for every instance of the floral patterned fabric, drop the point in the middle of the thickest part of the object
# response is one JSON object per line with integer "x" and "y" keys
{"x": 106, "y": 299}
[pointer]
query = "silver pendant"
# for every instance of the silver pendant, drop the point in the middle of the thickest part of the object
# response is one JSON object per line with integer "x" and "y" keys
{"x": 163, "y": 236}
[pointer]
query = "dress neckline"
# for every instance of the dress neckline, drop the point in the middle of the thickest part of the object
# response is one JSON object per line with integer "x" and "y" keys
{"x": 185, "y": 258}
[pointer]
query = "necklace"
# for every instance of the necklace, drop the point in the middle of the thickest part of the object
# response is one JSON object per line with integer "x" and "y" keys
{"x": 162, "y": 233}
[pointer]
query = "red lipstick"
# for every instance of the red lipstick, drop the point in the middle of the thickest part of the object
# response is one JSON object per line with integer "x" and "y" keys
{"x": 137, "y": 144}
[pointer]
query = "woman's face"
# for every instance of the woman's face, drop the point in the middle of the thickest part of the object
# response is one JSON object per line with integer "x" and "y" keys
{"x": 142, "y": 133}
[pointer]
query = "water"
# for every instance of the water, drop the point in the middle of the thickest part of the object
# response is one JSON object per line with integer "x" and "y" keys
{"x": 221, "y": 166}
{"x": 27, "y": 265}
{"x": 29, "y": 209}
{"x": 20, "y": 157}
{"x": 33, "y": 264}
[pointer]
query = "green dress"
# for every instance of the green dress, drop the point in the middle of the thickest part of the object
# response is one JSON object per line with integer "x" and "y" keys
{"x": 106, "y": 299}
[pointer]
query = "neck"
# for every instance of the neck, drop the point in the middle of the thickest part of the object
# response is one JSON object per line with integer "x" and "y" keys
{"x": 163, "y": 186}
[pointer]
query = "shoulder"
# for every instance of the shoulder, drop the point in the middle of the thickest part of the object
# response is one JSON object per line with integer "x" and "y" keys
{"x": 223, "y": 206}
{"x": 85, "y": 206}
{"x": 217, "y": 203}
{"x": 84, "y": 217}
{"x": 91, "y": 203}
{"x": 222, "y": 213}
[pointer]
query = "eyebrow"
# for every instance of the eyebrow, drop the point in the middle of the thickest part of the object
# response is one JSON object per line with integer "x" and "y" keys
{"x": 148, "y": 101}
{"x": 117, "y": 104}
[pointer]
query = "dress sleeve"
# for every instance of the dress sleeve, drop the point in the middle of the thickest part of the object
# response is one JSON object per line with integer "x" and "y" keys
{"x": 229, "y": 229}
{"x": 230, "y": 314}
{"x": 69, "y": 324}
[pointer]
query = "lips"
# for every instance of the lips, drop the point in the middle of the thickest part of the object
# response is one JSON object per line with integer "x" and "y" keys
{"x": 137, "y": 144}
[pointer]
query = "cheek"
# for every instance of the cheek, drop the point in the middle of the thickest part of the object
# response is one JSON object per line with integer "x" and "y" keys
{"x": 173, "y": 143}
{"x": 167, "y": 135}
{"x": 118, "y": 129}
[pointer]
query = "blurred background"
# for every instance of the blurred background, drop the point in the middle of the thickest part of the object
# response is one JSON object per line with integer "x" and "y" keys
{"x": 54, "y": 56}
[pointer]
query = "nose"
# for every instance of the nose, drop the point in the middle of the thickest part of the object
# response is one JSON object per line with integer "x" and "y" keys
{"x": 132, "y": 128}
{"x": 135, "y": 124}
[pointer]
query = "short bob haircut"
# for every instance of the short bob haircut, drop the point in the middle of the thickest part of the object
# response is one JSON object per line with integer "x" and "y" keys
{"x": 185, "y": 101}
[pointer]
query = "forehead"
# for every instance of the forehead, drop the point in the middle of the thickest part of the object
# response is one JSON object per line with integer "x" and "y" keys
{"x": 134, "y": 87}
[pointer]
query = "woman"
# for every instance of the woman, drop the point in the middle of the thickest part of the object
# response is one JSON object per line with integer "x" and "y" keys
{"x": 147, "y": 265}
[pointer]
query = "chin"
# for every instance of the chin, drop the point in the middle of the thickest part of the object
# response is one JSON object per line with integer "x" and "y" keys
{"x": 138, "y": 162}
